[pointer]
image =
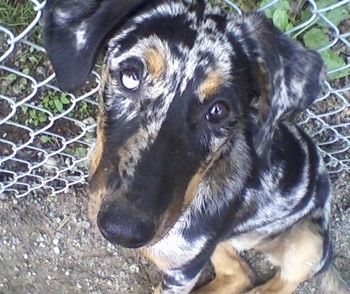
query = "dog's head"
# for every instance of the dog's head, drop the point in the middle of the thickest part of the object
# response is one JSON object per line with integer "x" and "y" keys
{"x": 178, "y": 81}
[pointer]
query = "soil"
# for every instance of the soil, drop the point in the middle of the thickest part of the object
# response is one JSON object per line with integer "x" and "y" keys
{"x": 46, "y": 246}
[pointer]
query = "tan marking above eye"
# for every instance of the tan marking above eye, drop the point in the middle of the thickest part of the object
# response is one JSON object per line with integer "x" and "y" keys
{"x": 156, "y": 62}
{"x": 210, "y": 85}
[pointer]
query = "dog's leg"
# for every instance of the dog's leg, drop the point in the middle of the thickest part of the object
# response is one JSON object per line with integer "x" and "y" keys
{"x": 180, "y": 280}
{"x": 299, "y": 253}
{"x": 233, "y": 274}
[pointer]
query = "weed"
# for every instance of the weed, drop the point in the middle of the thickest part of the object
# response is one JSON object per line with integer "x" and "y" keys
{"x": 51, "y": 102}
{"x": 83, "y": 110}
{"x": 33, "y": 116}
{"x": 55, "y": 102}
{"x": 78, "y": 153}
{"x": 30, "y": 59}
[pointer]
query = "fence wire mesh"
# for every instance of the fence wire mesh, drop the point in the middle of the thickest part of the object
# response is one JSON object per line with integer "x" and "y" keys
{"x": 46, "y": 135}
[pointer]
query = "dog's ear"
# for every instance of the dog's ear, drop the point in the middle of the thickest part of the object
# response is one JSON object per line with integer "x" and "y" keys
{"x": 75, "y": 31}
{"x": 289, "y": 77}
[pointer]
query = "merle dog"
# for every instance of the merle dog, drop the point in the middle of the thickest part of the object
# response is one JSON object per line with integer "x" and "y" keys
{"x": 195, "y": 159}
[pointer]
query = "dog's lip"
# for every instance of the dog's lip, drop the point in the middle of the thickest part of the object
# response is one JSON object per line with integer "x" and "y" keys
{"x": 131, "y": 245}
{"x": 137, "y": 245}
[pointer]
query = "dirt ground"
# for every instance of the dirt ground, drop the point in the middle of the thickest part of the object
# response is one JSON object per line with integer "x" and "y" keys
{"x": 46, "y": 246}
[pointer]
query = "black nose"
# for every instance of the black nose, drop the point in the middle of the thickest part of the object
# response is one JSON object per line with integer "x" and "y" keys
{"x": 125, "y": 226}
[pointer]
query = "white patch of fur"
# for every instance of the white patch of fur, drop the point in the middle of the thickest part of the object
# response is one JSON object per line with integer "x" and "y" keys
{"x": 175, "y": 8}
{"x": 185, "y": 284}
{"x": 174, "y": 246}
{"x": 61, "y": 16}
{"x": 80, "y": 36}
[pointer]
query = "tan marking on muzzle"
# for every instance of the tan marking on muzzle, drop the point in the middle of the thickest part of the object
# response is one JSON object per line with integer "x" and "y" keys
{"x": 96, "y": 196}
{"x": 210, "y": 85}
{"x": 94, "y": 204}
{"x": 129, "y": 154}
{"x": 156, "y": 62}
{"x": 96, "y": 154}
{"x": 191, "y": 191}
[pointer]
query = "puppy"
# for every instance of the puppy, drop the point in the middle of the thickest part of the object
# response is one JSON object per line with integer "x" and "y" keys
{"x": 195, "y": 159}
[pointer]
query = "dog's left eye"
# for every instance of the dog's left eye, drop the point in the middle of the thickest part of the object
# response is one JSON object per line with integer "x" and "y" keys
{"x": 218, "y": 112}
{"x": 130, "y": 79}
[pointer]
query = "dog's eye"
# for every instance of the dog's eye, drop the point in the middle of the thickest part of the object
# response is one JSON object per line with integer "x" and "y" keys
{"x": 130, "y": 79}
{"x": 217, "y": 112}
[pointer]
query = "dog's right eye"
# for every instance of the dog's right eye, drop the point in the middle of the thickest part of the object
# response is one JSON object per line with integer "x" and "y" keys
{"x": 130, "y": 79}
{"x": 218, "y": 112}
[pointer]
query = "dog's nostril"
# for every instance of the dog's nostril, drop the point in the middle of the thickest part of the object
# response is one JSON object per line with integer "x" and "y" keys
{"x": 125, "y": 228}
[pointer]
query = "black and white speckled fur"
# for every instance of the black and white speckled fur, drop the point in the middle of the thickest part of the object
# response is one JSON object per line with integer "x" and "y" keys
{"x": 167, "y": 178}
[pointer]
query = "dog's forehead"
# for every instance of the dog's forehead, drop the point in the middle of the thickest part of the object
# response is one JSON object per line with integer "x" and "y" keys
{"x": 179, "y": 42}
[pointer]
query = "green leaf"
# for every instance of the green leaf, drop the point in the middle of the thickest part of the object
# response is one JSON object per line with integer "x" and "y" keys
{"x": 42, "y": 117}
{"x": 58, "y": 105}
{"x": 23, "y": 58}
{"x": 333, "y": 61}
{"x": 305, "y": 15}
{"x": 26, "y": 71}
{"x": 33, "y": 59}
{"x": 289, "y": 27}
{"x": 268, "y": 12}
{"x": 315, "y": 39}
{"x": 280, "y": 19}
{"x": 80, "y": 152}
{"x": 45, "y": 139}
{"x": 283, "y": 4}
{"x": 24, "y": 109}
{"x": 64, "y": 99}
{"x": 325, "y": 3}
{"x": 33, "y": 114}
{"x": 336, "y": 16}
{"x": 11, "y": 77}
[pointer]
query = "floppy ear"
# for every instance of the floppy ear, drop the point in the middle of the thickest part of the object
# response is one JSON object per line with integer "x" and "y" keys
{"x": 75, "y": 31}
{"x": 289, "y": 76}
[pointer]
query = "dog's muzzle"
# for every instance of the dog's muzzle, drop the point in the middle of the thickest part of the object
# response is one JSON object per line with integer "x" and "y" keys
{"x": 125, "y": 226}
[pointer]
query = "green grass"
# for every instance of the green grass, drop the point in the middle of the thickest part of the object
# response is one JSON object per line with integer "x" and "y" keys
{"x": 16, "y": 14}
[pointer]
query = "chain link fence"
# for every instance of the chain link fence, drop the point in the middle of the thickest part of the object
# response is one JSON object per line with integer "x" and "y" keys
{"x": 46, "y": 135}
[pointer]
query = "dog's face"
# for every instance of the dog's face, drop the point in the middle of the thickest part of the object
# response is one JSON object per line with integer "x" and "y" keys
{"x": 170, "y": 102}
{"x": 177, "y": 86}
